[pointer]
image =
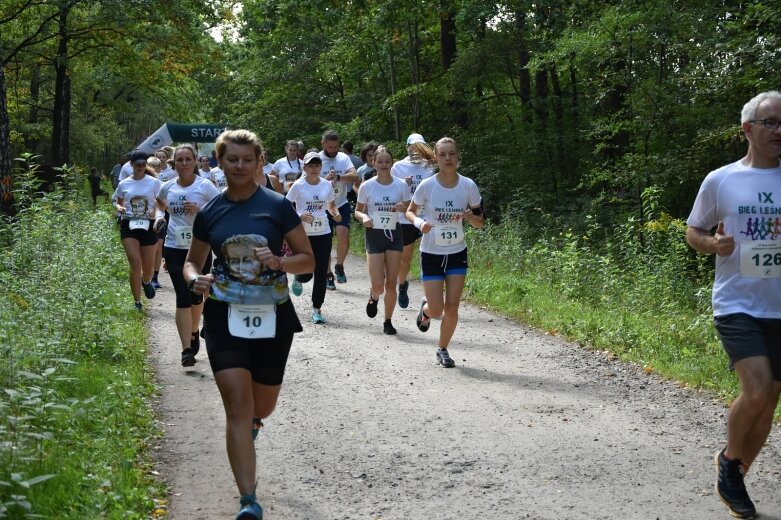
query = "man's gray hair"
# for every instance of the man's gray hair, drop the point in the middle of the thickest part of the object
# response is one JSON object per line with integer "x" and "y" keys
{"x": 749, "y": 111}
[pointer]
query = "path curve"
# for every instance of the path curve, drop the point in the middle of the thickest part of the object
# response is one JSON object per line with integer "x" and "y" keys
{"x": 369, "y": 427}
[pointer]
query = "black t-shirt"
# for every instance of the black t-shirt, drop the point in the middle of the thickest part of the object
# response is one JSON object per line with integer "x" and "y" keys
{"x": 232, "y": 229}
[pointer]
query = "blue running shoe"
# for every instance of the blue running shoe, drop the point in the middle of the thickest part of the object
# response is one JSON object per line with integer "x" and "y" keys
{"x": 340, "y": 276}
{"x": 296, "y": 286}
{"x": 250, "y": 509}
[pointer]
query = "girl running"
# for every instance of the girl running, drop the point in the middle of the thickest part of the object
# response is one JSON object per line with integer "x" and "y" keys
{"x": 182, "y": 197}
{"x": 312, "y": 196}
{"x": 135, "y": 202}
{"x": 448, "y": 199}
{"x": 380, "y": 199}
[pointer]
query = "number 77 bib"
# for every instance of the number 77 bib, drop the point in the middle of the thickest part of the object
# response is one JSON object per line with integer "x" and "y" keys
{"x": 760, "y": 259}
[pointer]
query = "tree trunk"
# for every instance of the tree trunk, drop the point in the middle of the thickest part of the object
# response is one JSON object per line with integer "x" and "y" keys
{"x": 7, "y": 206}
{"x": 392, "y": 67}
{"x": 448, "y": 45}
{"x": 414, "y": 61}
{"x": 523, "y": 60}
{"x": 35, "y": 99}
{"x": 61, "y": 70}
{"x": 65, "y": 157}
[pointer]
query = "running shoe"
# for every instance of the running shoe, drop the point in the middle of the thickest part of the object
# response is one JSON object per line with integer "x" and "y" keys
{"x": 329, "y": 282}
{"x": 730, "y": 487}
{"x": 296, "y": 286}
{"x": 444, "y": 359}
{"x": 250, "y": 509}
{"x": 156, "y": 284}
{"x": 387, "y": 328}
{"x": 422, "y": 321}
{"x": 403, "y": 296}
{"x": 317, "y": 318}
{"x": 257, "y": 424}
{"x": 340, "y": 276}
{"x": 371, "y": 307}
{"x": 195, "y": 343}
{"x": 139, "y": 307}
{"x": 149, "y": 290}
{"x": 188, "y": 358}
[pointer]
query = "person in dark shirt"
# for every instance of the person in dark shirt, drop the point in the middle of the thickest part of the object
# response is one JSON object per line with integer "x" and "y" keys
{"x": 94, "y": 183}
{"x": 249, "y": 319}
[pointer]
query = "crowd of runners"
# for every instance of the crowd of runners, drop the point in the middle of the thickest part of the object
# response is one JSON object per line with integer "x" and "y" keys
{"x": 230, "y": 234}
{"x": 241, "y": 234}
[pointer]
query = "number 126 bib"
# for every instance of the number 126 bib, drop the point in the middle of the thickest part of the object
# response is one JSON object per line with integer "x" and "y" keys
{"x": 760, "y": 259}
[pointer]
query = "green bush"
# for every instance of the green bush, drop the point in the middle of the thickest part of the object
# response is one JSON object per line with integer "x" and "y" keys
{"x": 74, "y": 423}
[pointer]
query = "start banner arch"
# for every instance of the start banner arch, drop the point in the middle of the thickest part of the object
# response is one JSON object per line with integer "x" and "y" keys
{"x": 180, "y": 133}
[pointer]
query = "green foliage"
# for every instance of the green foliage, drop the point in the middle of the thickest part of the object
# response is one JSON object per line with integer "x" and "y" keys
{"x": 74, "y": 425}
{"x": 636, "y": 291}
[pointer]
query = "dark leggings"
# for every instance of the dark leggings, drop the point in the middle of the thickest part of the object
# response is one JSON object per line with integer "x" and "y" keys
{"x": 174, "y": 260}
{"x": 321, "y": 247}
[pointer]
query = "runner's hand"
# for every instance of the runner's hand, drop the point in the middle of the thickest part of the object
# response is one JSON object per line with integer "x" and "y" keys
{"x": 267, "y": 257}
{"x": 725, "y": 244}
{"x": 367, "y": 223}
{"x": 308, "y": 218}
{"x": 202, "y": 285}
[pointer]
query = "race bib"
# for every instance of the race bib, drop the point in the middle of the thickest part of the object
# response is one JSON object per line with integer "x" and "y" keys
{"x": 317, "y": 226}
{"x": 760, "y": 259}
{"x": 184, "y": 236}
{"x": 385, "y": 220}
{"x": 252, "y": 321}
{"x": 448, "y": 235}
{"x": 338, "y": 189}
{"x": 138, "y": 223}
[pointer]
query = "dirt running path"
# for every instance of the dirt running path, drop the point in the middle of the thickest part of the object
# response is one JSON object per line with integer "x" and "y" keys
{"x": 368, "y": 427}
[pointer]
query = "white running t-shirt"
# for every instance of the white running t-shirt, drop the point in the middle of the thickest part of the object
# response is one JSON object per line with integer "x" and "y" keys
{"x": 748, "y": 201}
{"x": 138, "y": 196}
{"x": 312, "y": 199}
{"x": 340, "y": 164}
{"x": 417, "y": 170}
{"x": 174, "y": 196}
{"x": 444, "y": 208}
{"x": 287, "y": 171}
{"x": 381, "y": 201}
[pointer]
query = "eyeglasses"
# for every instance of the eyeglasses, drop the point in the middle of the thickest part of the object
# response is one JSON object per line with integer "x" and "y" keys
{"x": 772, "y": 124}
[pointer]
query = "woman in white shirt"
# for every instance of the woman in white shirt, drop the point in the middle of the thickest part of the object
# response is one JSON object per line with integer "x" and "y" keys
{"x": 135, "y": 202}
{"x": 380, "y": 199}
{"x": 313, "y": 198}
{"x": 182, "y": 197}
{"x": 448, "y": 199}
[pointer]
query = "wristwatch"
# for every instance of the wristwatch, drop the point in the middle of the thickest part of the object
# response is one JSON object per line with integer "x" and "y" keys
{"x": 338, "y": 177}
{"x": 191, "y": 284}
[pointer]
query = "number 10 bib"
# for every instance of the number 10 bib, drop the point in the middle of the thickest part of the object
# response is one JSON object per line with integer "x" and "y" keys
{"x": 252, "y": 321}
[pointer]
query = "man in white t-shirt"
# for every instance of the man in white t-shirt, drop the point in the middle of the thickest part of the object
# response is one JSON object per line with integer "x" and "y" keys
{"x": 339, "y": 169}
{"x": 742, "y": 201}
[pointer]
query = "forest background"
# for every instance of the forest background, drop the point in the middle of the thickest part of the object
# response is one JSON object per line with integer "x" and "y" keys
{"x": 588, "y": 125}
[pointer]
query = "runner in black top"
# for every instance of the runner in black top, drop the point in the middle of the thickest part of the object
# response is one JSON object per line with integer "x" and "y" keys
{"x": 249, "y": 320}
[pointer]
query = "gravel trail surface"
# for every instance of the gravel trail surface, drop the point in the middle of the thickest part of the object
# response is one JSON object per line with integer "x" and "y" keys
{"x": 369, "y": 427}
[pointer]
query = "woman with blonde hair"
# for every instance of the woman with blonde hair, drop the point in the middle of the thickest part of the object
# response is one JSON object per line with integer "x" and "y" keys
{"x": 249, "y": 319}
{"x": 447, "y": 200}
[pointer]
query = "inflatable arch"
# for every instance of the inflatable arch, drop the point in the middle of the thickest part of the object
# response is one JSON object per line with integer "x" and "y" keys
{"x": 180, "y": 133}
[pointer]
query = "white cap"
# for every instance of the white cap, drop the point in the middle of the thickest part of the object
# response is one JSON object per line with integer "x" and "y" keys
{"x": 415, "y": 138}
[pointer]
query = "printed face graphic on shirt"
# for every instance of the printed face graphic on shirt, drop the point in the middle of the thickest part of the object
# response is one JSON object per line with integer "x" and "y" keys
{"x": 139, "y": 206}
{"x": 241, "y": 262}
